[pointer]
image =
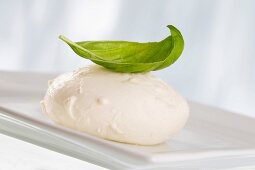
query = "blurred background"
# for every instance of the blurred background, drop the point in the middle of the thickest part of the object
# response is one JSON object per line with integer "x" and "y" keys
{"x": 217, "y": 65}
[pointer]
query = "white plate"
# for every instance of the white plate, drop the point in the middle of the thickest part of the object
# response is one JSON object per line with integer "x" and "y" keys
{"x": 212, "y": 138}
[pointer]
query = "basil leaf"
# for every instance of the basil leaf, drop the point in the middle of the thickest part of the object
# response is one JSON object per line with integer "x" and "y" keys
{"x": 124, "y": 56}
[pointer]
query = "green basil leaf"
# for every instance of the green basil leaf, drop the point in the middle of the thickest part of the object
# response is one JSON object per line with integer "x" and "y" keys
{"x": 124, "y": 56}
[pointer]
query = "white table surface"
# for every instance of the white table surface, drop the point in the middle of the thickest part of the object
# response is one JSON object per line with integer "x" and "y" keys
{"x": 18, "y": 155}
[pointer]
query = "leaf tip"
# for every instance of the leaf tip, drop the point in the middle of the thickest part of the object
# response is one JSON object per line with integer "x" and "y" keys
{"x": 170, "y": 26}
{"x": 174, "y": 30}
{"x": 61, "y": 37}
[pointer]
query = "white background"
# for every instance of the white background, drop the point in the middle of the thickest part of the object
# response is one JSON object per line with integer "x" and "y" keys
{"x": 216, "y": 68}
